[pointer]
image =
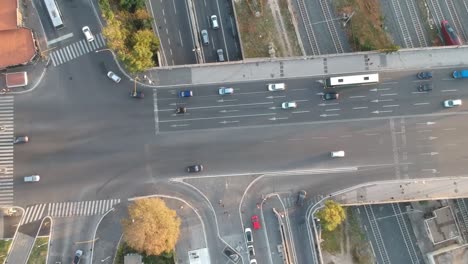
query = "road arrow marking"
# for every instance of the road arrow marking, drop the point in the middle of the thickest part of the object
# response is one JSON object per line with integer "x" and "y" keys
{"x": 430, "y": 153}
{"x": 381, "y": 89}
{"x": 277, "y": 118}
{"x": 181, "y": 125}
{"x": 386, "y": 111}
{"x": 226, "y": 100}
{"x": 228, "y": 111}
{"x": 229, "y": 122}
{"x": 273, "y": 97}
{"x": 381, "y": 100}
{"x": 326, "y": 115}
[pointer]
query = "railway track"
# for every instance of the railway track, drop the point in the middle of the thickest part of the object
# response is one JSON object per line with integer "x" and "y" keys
{"x": 416, "y": 23}
{"x": 308, "y": 28}
{"x": 437, "y": 12}
{"x": 456, "y": 20}
{"x": 331, "y": 26}
{"x": 402, "y": 24}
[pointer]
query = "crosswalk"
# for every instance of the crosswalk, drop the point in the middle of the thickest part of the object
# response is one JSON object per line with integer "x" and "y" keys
{"x": 76, "y": 50}
{"x": 6, "y": 150}
{"x": 67, "y": 209}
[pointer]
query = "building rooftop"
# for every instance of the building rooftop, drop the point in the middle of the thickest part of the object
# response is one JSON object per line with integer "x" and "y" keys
{"x": 8, "y": 15}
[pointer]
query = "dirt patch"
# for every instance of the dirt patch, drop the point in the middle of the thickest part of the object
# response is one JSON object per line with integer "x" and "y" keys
{"x": 365, "y": 29}
{"x": 265, "y": 28}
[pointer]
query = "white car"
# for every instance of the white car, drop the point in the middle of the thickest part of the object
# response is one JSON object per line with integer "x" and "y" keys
{"x": 114, "y": 77}
{"x": 225, "y": 90}
{"x": 88, "y": 35}
{"x": 32, "y": 178}
{"x": 289, "y": 105}
{"x": 253, "y": 261}
{"x": 248, "y": 236}
{"x": 214, "y": 22}
{"x": 337, "y": 154}
{"x": 276, "y": 87}
{"x": 452, "y": 103}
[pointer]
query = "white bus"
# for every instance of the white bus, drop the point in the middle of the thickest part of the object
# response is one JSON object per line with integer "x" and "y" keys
{"x": 54, "y": 13}
{"x": 352, "y": 80}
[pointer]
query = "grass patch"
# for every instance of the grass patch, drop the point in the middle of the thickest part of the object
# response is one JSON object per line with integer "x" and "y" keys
{"x": 256, "y": 32}
{"x": 366, "y": 29}
{"x": 360, "y": 248}
{"x": 39, "y": 251}
{"x": 290, "y": 29}
{"x": 4, "y": 247}
{"x": 124, "y": 249}
{"x": 332, "y": 240}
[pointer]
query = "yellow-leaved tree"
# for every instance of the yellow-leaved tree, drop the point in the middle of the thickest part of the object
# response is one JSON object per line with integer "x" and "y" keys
{"x": 332, "y": 215}
{"x": 151, "y": 228}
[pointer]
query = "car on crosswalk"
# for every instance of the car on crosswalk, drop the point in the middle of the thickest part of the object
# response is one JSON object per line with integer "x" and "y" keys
{"x": 88, "y": 34}
{"x": 114, "y": 76}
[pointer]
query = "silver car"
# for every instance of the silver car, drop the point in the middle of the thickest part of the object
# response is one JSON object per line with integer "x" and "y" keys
{"x": 32, "y": 178}
{"x": 114, "y": 77}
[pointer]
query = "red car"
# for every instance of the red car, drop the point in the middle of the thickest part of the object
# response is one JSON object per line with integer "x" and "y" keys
{"x": 255, "y": 222}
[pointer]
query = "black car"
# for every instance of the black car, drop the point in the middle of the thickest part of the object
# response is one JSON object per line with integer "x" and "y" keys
{"x": 137, "y": 95}
{"x": 195, "y": 168}
{"x": 425, "y": 87}
{"x": 424, "y": 75}
{"x": 181, "y": 110}
{"x": 330, "y": 96}
{"x": 301, "y": 197}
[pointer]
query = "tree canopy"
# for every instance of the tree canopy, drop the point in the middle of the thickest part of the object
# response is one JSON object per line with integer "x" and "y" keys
{"x": 332, "y": 215}
{"x": 151, "y": 228}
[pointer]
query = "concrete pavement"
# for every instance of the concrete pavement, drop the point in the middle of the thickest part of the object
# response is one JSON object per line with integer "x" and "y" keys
{"x": 299, "y": 67}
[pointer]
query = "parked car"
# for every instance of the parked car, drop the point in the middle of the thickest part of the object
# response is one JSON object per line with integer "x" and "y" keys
{"x": 289, "y": 105}
{"x": 32, "y": 178}
{"x": 181, "y": 110}
{"x": 255, "y": 222}
{"x": 248, "y": 236}
{"x": 330, "y": 96}
{"x": 424, "y": 75}
{"x": 214, "y": 22}
{"x": 195, "y": 168}
{"x": 21, "y": 140}
{"x": 337, "y": 154}
{"x": 88, "y": 34}
{"x": 301, "y": 197}
{"x": 276, "y": 87}
{"x": 425, "y": 87}
{"x": 186, "y": 93}
{"x": 452, "y": 103}
{"x": 137, "y": 94}
{"x": 225, "y": 91}
{"x": 77, "y": 258}
{"x": 114, "y": 77}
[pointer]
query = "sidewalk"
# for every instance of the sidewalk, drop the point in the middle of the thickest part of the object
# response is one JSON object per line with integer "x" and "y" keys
{"x": 265, "y": 69}
{"x": 404, "y": 190}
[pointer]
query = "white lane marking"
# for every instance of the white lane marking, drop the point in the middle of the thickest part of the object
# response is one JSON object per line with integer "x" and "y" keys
{"x": 381, "y": 100}
{"x": 180, "y": 37}
{"x": 380, "y": 89}
{"x": 391, "y": 105}
{"x": 360, "y": 107}
{"x": 229, "y": 122}
{"x": 371, "y": 134}
{"x": 358, "y": 96}
{"x": 277, "y": 118}
{"x": 386, "y": 111}
{"x": 175, "y": 10}
{"x": 325, "y": 115}
{"x": 392, "y": 94}
{"x": 429, "y": 153}
{"x": 418, "y": 92}
{"x": 69, "y": 35}
{"x": 295, "y": 139}
{"x": 180, "y": 125}
{"x": 429, "y": 170}
{"x": 427, "y": 123}
{"x": 451, "y": 128}
{"x": 300, "y": 112}
{"x": 345, "y": 136}
{"x": 324, "y": 104}
{"x": 334, "y": 109}
{"x": 219, "y": 106}
{"x": 226, "y": 100}
{"x": 318, "y": 137}
{"x": 454, "y": 90}
{"x": 421, "y": 103}
{"x": 209, "y": 118}
{"x": 389, "y": 83}
{"x": 273, "y": 97}
{"x": 424, "y": 131}
{"x": 228, "y": 111}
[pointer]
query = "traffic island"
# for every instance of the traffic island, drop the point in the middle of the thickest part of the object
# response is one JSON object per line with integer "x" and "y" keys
{"x": 39, "y": 251}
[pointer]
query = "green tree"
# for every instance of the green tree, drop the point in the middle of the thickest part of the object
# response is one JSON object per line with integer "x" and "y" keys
{"x": 132, "y": 5}
{"x": 115, "y": 34}
{"x": 152, "y": 228}
{"x": 332, "y": 215}
{"x": 143, "y": 44}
